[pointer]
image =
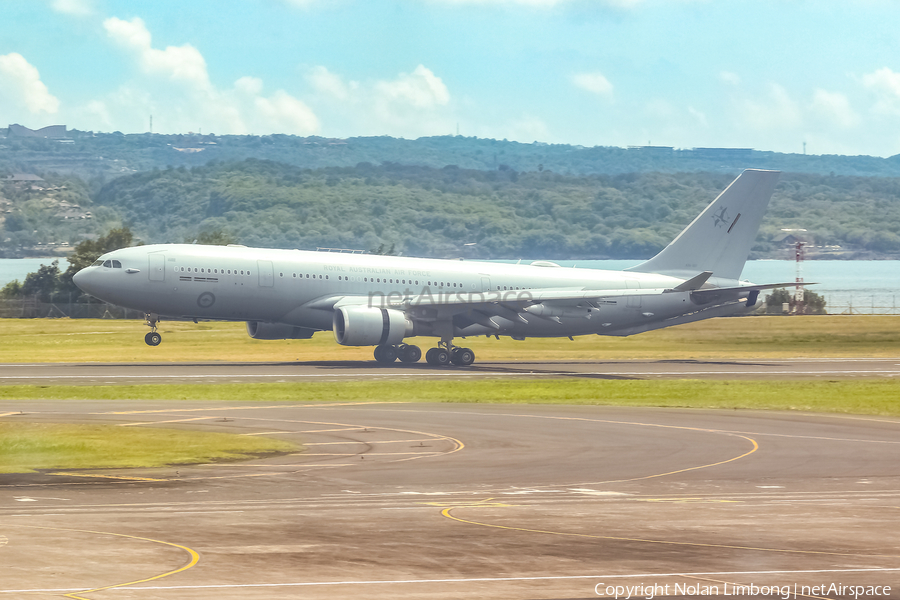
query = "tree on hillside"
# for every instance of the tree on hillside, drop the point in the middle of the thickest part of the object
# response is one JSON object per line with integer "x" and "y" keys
{"x": 48, "y": 279}
{"x": 90, "y": 250}
{"x": 218, "y": 237}
{"x": 814, "y": 304}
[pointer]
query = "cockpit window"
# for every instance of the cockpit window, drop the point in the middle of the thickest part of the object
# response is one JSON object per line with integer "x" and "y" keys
{"x": 97, "y": 263}
{"x": 107, "y": 263}
{"x": 116, "y": 264}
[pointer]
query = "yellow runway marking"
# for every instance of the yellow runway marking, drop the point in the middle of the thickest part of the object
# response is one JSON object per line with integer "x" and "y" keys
{"x": 176, "y": 410}
{"x": 447, "y": 513}
{"x": 9, "y": 414}
{"x": 375, "y": 442}
{"x": 366, "y": 454}
{"x": 687, "y": 500}
{"x": 267, "y": 433}
{"x": 332, "y": 430}
{"x": 195, "y": 558}
{"x": 124, "y": 477}
{"x": 169, "y": 421}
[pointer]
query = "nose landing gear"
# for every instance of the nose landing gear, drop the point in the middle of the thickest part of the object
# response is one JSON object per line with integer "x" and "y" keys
{"x": 153, "y": 338}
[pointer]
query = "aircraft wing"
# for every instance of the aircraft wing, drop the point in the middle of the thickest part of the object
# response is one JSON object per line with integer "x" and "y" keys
{"x": 733, "y": 293}
{"x": 475, "y": 299}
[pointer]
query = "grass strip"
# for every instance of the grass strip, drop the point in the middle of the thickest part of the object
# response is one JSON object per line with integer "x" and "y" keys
{"x": 27, "y": 447}
{"x": 864, "y": 397}
{"x": 104, "y": 340}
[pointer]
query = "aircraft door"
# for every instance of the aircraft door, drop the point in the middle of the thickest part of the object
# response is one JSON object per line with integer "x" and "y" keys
{"x": 157, "y": 270}
{"x": 633, "y": 301}
{"x": 485, "y": 284}
{"x": 266, "y": 273}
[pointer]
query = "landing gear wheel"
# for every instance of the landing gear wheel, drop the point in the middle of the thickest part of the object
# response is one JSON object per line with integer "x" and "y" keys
{"x": 437, "y": 357}
{"x": 409, "y": 354}
{"x": 153, "y": 339}
{"x": 385, "y": 354}
{"x": 462, "y": 357}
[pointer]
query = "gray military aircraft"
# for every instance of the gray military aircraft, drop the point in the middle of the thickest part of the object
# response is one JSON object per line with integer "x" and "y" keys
{"x": 373, "y": 300}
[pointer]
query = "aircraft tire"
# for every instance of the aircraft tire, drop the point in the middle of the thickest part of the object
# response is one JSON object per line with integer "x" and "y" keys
{"x": 153, "y": 339}
{"x": 437, "y": 357}
{"x": 462, "y": 357}
{"x": 408, "y": 353}
{"x": 385, "y": 354}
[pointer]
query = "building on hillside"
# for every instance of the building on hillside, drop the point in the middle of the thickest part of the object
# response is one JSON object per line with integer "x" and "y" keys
{"x": 53, "y": 132}
{"x": 726, "y": 154}
{"x": 23, "y": 178}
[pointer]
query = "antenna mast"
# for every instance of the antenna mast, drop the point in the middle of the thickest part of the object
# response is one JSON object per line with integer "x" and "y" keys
{"x": 799, "y": 292}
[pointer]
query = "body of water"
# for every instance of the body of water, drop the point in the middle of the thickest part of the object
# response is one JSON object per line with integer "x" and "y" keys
{"x": 18, "y": 268}
{"x": 858, "y": 285}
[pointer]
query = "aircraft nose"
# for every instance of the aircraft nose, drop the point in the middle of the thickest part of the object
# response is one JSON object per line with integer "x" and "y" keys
{"x": 82, "y": 280}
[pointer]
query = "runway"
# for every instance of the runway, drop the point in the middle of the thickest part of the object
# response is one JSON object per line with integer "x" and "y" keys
{"x": 204, "y": 372}
{"x": 465, "y": 501}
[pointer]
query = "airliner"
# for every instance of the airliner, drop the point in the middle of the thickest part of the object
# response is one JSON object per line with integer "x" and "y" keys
{"x": 375, "y": 300}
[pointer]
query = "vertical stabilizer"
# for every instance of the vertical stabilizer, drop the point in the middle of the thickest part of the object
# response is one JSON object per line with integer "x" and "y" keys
{"x": 719, "y": 239}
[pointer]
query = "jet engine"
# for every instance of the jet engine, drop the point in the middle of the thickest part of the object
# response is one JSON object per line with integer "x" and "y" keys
{"x": 369, "y": 326}
{"x": 277, "y": 331}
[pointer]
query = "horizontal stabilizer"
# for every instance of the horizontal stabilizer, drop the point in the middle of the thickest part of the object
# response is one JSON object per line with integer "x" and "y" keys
{"x": 694, "y": 283}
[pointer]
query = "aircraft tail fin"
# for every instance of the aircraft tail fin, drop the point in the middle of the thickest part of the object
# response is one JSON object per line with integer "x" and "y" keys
{"x": 720, "y": 238}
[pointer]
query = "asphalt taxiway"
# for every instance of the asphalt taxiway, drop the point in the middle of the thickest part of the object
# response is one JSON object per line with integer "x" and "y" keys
{"x": 206, "y": 372}
{"x": 464, "y": 501}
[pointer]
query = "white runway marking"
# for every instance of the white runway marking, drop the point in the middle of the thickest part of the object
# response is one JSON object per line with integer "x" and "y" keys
{"x": 463, "y": 580}
{"x": 454, "y": 374}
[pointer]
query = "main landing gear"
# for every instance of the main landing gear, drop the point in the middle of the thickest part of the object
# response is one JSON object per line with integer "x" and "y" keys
{"x": 445, "y": 354}
{"x": 153, "y": 338}
{"x": 405, "y": 352}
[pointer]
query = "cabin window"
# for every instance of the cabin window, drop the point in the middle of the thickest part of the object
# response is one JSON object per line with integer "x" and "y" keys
{"x": 295, "y": 275}
{"x": 242, "y": 272}
{"x": 281, "y": 274}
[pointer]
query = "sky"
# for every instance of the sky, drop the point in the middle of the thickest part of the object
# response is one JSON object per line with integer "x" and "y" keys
{"x": 763, "y": 74}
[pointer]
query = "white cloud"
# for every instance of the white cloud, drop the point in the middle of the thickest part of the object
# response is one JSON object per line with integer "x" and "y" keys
{"x": 250, "y": 86}
{"x": 177, "y": 90}
{"x": 330, "y": 84}
{"x": 531, "y": 3}
{"x": 179, "y": 63}
{"x": 776, "y": 111}
{"x": 78, "y": 8}
{"x": 834, "y": 108}
{"x": 283, "y": 112}
{"x": 412, "y": 104}
{"x": 595, "y": 82}
{"x": 698, "y": 115}
{"x": 419, "y": 89}
{"x": 729, "y": 78}
{"x": 21, "y": 82}
{"x": 885, "y": 83}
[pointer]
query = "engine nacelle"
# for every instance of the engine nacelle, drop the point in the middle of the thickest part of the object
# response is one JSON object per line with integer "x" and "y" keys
{"x": 277, "y": 331}
{"x": 369, "y": 326}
